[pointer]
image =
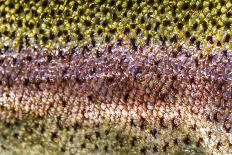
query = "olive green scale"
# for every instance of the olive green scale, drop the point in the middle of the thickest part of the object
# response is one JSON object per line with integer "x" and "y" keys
{"x": 59, "y": 23}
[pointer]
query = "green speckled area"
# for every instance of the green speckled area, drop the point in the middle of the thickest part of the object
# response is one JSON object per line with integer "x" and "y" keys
{"x": 58, "y": 22}
{"x": 47, "y": 136}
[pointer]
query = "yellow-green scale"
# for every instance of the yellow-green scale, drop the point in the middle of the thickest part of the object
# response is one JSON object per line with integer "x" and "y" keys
{"x": 46, "y": 24}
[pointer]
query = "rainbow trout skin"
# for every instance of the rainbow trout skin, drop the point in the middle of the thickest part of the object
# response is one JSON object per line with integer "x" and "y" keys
{"x": 115, "y": 77}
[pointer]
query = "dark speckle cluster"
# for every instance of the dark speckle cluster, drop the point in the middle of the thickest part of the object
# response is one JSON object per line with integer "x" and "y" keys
{"x": 156, "y": 91}
{"x": 61, "y": 22}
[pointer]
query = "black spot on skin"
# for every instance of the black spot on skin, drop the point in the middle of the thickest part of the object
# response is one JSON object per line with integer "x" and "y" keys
{"x": 26, "y": 82}
{"x": 192, "y": 39}
{"x": 42, "y": 129}
{"x": 227, "y": 25}
{"x": 132, "y": 123}
{"x": 83, "y": 145}
{"x": 16, "y": 135}
{"x": 210, "y": 58}
{"x": 76, "y": 126}
{"x": 63, "y": 103}
{"x": 110, "y": 79}
{"x": 142, "y": 123}
{"x": 92, "y": 71}
{"x": 88, "y": 136}
{"x": 166, "y": 22}
{"x": 20, "y": 23}
{"x": 163, "y": 39}
{"x": 59, "y": 124}
{"x": 105, "y": 23}
{"x": 200, "y": 142}
{"x": 93, "y": 43}
{"x": 45, "y": 3}
{"x": 148, "y": 26}
{"x": 227, "y": 126}
{"x": 126, "y": 30}
{"x": 45, "y": 39}
{"x": 157, "y": 62}
{"x": 174, "y": 124}
{"x": 219, "y": 144}
{"x": 174, "y": 38}
{"x": 137, "y": 71}
{"x": 198, "y": 44}
{"x": 90, "y": 98}
{"x": 98, "y": 135}
{"x": 29, "y": 58}
{"x": 68, "y": 38}
{"x": 176, "y": 141}
{"x": 13, "y": 34}
{"x": 63, "y": 149}
{"x": 4, "y": 136}
{"x": 106, "y": 147}
{"x": 165, "y": 147}
{"x": 162, "y": 10}
{"x": 96, "y": 147}
{"x": 219, "y": 44}
{"x": 155, "y": 148}
{"x": 209, "y": 134}
{"x": 9, "y": 81}
{"x": 195, "y": 26}
{"x": 227, "y": 38}
{"x": 187, "y": 34}
{"x": 120, "y": 139}
{"x": 219, "y": 12}
{"x": 98, "y": 55}
{"x": 209, "y": 39}
{"x": 107, "y": 39}
{"x": 159, "y": 75}
{"x": 157, "y": 26}
{"x": 185, "y": 6}
{"x": 60, "y": 54}
{"x": 11, "y": 5}
{"x": 133, "y": 43}
{"x": 143, "y": 150}
{"x": 225, "y": 53}
{"x": 148, "y": 40}
{"x": 78, "y": 79}
{"x": 139, "y": 10}
{"x": 87, "y": 23}
{"x": 187, "y": 17}
{"x": 99, "y": 31}
{"x": 187, "y": 140}
{"x": 113, "y": 31}
{"x": 107, "y": 131}
{"x": 133, "y": 141}
{"x": 80, "y": 37}
{"x": 162, "y": 123}
{"x": 154, "y": 132}
{"x": 200, "y": 7}
{"x": 49, "y": 58}
{"x": 126, "y": 97}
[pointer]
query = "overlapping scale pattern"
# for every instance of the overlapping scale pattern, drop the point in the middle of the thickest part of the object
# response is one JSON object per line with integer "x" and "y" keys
{"x": 115, "y": 77}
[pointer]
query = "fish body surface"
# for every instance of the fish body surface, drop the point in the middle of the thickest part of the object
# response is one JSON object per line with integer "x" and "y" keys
{"x": 115, "y": 77}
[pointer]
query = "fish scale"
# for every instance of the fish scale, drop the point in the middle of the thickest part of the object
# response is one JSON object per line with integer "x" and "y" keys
{"x": 115, "y": 77}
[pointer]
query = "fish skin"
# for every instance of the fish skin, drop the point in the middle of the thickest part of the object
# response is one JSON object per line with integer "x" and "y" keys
{"x": 151, "y": 92}
{"x": 120, "y": 97}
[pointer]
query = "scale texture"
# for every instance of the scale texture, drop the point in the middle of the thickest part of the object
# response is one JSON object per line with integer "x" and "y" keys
{"x": 115, "y": 77}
